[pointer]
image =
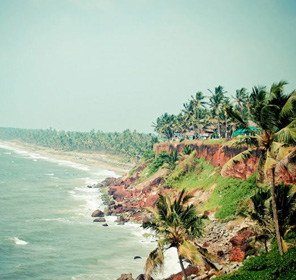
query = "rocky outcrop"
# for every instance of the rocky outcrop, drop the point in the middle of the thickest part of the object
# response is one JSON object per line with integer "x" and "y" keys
{"x": 215, "y": 154}
{"x": 218, "y": 156}
{"x": 130, "y": 199}
{"x": 241, "y": 245}
{"x": 126, "y": 277}
{"x": 191, "y": 271}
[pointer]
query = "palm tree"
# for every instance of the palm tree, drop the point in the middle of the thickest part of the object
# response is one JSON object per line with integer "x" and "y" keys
{"x": 261, "y": 215}
{"x": 241, "y": 99}
{"x": 216, "y": 103}
{"x": 175, "y": 224}
{"x": 164, "y": 125}
{"x": 275, "y": 114}
{"x": 198, "y": 104}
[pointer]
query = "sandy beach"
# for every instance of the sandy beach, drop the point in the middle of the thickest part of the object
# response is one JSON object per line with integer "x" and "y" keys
{"x": 111, "y": 162}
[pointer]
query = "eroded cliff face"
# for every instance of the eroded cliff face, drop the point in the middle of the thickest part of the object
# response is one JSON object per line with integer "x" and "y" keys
{"x": 218, "y": 156}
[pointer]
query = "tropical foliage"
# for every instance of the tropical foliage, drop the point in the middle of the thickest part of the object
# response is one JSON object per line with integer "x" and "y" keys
{"x": 271, "y": 266}
{"x": 175, "y": 224}
{"x": 131, "y": 144}
{"x": 274, "y": 113}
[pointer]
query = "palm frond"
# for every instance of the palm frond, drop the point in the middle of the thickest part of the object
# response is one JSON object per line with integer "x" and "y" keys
{"x": 236, "y": 159}
{"x": 269, "y": 164}
{"x": 269, "y": 116}
{"x": 155, "y": 260}
{"x": 287, "y": 134}
{"x": 235, "y": 116}
{"x": 289, "y": 107}
{"x": 189, "y": 251}
{"x": 243, "y": 140}
{"x": 285, "y": 157}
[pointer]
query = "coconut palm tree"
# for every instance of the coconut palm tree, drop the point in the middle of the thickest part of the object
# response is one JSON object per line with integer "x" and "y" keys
{"x": 261, "y": 214}
{"x": 175, "y": 225}
{"x": 198, "y": 105}
{"x": 164, "y": 125}
{"x": 241, "y": 100}
{"x": 216, "y": 104}
{"x": 275, "y": 115}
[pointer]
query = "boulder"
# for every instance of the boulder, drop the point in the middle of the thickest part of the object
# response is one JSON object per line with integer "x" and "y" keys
{"x": 142, "y": 277}
{"x": 97, "y": 213}
{"x": 109, "y": 181}
{"x": 99, "y": 220}
{"x": 104, "y": 225}
{"x": 240, "y": 245}
{"x": 126, "y": 277}
{"x": 190, "y": 270}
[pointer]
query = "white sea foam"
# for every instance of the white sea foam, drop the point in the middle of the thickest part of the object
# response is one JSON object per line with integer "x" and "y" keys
{"x": 18, "y": 241}
{"x": 107, "y": 173}
{"x": 70, "y": 164}
{"x": 37, "y": 156}
{"x": 89, "y": 197}
{"x": 89, "y": 181}
{"x": 50, "y": 174}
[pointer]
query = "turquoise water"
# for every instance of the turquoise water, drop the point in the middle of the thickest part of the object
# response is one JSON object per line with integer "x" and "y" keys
{"x": 46, "y": 231}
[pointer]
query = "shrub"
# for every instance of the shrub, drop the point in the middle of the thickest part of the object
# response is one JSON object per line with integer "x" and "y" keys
{"x": 158, "y": 162}
{"x": 271, "y": 266}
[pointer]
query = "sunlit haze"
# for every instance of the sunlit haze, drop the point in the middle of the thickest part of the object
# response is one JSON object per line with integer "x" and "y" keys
{"x": 111, "y": 65}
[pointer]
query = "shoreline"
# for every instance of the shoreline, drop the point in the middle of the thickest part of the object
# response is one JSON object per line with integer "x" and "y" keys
{"x": 100, "y": 161}
{"x": 93, "y": 159}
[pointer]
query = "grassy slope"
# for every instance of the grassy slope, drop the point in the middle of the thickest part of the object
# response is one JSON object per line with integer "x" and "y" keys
{"x": 193, "y": 174}
{"x": 225, "y": 196}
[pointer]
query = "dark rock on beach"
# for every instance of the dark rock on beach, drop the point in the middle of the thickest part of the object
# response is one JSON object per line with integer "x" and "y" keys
{"x": 142, "y": 277}
{"x": 99, "y": 220}
{"x": 104, "y": 225}
{"x": 126, "y": 277}
{"x": 97, "y": 213}
{"x": 109, "y": 181}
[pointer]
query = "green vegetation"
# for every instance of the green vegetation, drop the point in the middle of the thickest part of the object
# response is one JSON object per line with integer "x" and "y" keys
{"x": 199, "y": 115}
{"x": 225, "y": 194}
{"x": 274, "y": 114}
{"x": 265, "y": 124}
{"x": 271, "y": 266}
{"x": 127, "y": 143}
{"x": 159, "y": 161}
{"x": 174, "y": 224}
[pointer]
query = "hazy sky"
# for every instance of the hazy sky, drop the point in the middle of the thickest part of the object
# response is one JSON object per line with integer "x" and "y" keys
{"x": 116, "y": 64}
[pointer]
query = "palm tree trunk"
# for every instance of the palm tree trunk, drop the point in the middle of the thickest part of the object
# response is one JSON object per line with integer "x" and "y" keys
{"x": 274, "y": 209}
{"x": 265, "y": 244}
{"x": 226, "y": 134}
{"x": 182, "y": 266}
{"x": 218, "y": 126}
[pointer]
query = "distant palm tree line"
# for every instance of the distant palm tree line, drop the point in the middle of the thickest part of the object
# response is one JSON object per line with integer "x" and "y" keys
{"x": 128, "y": 143}
{"x": 202, "y": 113}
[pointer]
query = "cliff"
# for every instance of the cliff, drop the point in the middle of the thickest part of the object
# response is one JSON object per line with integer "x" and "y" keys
{"x": 216, "y": 196}
{"x": 217, "y": 156}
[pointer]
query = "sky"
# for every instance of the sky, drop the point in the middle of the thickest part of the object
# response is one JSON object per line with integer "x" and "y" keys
{"x": 112, "y": 65}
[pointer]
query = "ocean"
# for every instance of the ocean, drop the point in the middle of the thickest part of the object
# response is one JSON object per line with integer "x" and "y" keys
{"x": 46, "y": 228}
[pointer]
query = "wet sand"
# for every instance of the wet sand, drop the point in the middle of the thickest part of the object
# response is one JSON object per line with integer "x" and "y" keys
{"x": 89, "y": 158}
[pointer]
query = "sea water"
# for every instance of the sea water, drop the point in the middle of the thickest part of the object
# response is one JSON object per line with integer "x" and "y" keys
{"x": 46, "y": 229}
